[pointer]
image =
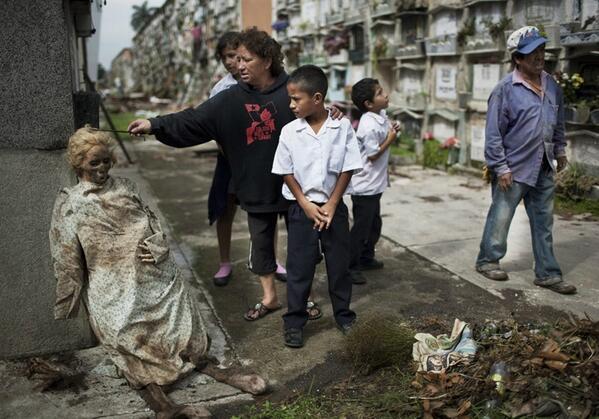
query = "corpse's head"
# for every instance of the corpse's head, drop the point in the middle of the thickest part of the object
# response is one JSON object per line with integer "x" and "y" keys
{"x": 91, "y": 155}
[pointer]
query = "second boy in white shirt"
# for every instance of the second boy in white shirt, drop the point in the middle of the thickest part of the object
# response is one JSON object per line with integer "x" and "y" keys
{"x": 375, "y": 136}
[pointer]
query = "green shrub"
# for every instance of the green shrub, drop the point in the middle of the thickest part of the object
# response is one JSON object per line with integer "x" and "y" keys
{"x": 433, "y": 155}
{"x": 574, "y": 182}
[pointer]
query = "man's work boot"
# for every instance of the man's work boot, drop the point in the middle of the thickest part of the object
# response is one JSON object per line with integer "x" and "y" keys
{"x": 496, "y": 274}
{"x": 556, "y": 285}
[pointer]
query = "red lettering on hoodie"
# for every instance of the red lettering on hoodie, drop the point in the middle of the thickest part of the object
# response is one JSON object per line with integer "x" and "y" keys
{"x": 263, "y": 123}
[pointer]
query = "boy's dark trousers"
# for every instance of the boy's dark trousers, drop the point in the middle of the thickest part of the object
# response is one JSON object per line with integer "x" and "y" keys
{"x": 366, "y": 230}
{"x": 302, "y": 255}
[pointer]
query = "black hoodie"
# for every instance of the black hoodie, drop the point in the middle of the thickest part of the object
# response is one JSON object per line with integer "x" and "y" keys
{"x": 246, "y": 123}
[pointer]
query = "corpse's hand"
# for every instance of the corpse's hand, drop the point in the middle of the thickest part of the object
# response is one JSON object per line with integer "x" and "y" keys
{"x": 316, "y": 214}
{"x": 144, "y": 254}
{"x": 505, "y": 181}
{"x": 140, "y": 127}
{"x": 335, "y": 112}
{"x": 562, "y": 162}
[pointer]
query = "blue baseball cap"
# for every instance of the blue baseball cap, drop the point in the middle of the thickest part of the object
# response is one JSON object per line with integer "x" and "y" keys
{"x": 525, "y": 40}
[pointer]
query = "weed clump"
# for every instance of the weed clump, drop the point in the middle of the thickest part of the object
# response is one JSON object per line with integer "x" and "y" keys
{"x": 377, "y": 342}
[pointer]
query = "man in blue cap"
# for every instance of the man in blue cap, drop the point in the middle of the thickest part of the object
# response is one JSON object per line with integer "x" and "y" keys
{"x": 524, "y": 136}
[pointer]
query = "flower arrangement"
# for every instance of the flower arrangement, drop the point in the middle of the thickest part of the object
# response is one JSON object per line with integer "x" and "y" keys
{"x": 336, "y": 42}
{"x": 570, "y": 85}
{"x": 451, "y": 142}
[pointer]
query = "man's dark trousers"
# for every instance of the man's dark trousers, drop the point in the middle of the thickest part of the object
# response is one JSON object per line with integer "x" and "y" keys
{"x": 366, "y": 230}
{"x": 302, "y": 255}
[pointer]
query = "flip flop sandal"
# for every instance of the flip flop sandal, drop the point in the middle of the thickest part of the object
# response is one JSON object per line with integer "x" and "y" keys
{"x": 314, "y": 311}
{"x": 259, "y": 311}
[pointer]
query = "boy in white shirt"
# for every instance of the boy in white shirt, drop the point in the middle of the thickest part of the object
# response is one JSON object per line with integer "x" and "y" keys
{"x": 375, "y": 134}
{"x": 316, "y": 156}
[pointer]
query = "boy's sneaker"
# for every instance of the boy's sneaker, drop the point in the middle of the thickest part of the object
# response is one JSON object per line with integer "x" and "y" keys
{"x": 371, "y": 265}
{"x": 294, "y": 338}
{"x": 357, "y": 277}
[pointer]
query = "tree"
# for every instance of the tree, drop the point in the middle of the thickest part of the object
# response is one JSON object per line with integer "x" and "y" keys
{"x": 141, "y": 15}
{"x": 101, "y": 71}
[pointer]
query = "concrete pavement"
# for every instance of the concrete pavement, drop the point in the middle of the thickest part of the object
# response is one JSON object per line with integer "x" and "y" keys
{"x": 441, "y": 217}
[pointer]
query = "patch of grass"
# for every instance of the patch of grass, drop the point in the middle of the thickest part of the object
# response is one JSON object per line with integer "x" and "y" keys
{"x": 378, "y": 342}
{"x": 120, "y": 120}
{"x": 402, "y": 151}
{"x": 305, "y": 406}
{"x": 567, "y": 207}
{"x": 383, "y": 395}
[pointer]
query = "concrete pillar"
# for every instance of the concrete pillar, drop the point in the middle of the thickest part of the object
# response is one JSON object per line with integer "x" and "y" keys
{"x": 37, "y": 117}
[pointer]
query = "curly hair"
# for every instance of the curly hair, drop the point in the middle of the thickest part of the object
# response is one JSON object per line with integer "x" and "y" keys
{"x": 260, "y": 43}
{"x": 83, "y": 140}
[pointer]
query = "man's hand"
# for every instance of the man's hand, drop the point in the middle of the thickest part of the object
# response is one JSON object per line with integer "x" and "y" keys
{"x": 316, "y": 214}
{"x": 139, "y": 127}
{"x": 335, "y": 112}
{"x": 562, "y": 162}
{"x": 505, "y": 181}
{"x": 396, "y": 125}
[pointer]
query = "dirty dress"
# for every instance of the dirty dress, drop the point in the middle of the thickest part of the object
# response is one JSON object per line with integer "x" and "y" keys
{"x": 141, "y": 312}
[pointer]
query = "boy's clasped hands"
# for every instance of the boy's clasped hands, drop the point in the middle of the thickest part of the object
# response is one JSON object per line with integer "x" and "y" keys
{"x": 321, "y": 215}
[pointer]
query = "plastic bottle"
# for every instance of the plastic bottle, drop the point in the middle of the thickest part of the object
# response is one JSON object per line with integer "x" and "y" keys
{"x": 500, "y": 375}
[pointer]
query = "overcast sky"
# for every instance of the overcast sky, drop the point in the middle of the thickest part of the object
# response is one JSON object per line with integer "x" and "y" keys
{"x": 115, "y": 30}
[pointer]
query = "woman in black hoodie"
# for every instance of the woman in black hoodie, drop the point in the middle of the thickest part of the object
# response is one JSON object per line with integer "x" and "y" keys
{"x": 246, "y": 121}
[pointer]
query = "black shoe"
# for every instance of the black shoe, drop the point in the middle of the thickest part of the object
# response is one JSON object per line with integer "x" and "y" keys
{"x": 357, "y": 277}
{"x": 221, "y": 281}
{"x": 346, "y": 328}
{"x": 371, "y": 265}
{"x": 294, "y": 338}
{"x": 281, "y": 277}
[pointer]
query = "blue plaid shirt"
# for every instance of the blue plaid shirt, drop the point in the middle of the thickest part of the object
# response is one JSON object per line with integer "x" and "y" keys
{"x": 523, "y": 126}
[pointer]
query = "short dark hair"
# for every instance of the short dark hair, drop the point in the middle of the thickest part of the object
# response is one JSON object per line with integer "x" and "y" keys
{"x": 516, "y": 55}
{"x": 310, "y": 79}
{"x": 261, "y": 44}
{"x": 227, "y": 40}
{"x": 362, "y": 91}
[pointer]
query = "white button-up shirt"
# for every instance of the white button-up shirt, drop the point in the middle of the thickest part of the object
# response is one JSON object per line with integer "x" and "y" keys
{"x": 372, "y": 132}
{"x": 316, "y": 160}
{"x": 223, "y": 84}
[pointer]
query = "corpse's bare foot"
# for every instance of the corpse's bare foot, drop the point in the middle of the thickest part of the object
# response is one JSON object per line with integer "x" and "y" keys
{"x": 250, "y": 383}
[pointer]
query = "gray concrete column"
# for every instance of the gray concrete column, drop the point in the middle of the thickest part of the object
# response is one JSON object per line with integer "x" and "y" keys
{"x": 36, "y": 111}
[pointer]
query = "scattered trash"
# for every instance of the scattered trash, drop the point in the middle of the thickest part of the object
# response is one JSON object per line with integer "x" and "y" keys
{"x": 437, "y": 354}
{"x": 520, "y": 370}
